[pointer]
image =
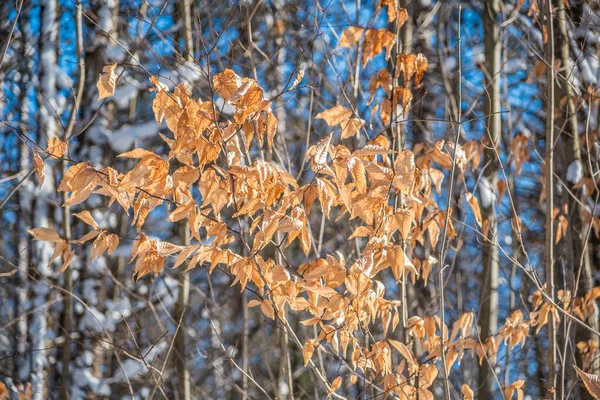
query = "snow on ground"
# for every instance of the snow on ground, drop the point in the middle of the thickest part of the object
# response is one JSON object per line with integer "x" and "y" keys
{"x": 125, "y": 138}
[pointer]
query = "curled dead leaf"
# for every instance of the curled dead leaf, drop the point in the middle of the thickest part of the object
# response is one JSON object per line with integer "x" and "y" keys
{"x": 335, "y": 385}
{"x": 38, "y": 164}
{"x": 591, "y": 382}
{"x": 474, "y": 203}
{"x": 107, "y": 81}
{"x": 467, "y": 392}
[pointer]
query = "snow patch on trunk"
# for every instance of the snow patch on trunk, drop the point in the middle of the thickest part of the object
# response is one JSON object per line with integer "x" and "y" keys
{"x": 575, "y": 172}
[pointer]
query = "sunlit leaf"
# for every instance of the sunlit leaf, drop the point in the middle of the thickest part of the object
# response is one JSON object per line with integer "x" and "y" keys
{"x": 107, "y": 81}
{"x": 3, "y": 392}
{"x": 474, "y": 203}
{"x": 335, "y": 385}
{"x": 86, "y": 217}
{"x": 44, "y": 234}
{"x": 39, "y": 168}
{"x": 56, "y": 147}
{"x": 350, "y": 36}
{"x": 467, "y": 392}
{"x": 335, "y": 116}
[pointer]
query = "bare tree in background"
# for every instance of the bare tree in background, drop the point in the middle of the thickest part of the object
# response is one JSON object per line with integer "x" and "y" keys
{"x": 488, "y": 315}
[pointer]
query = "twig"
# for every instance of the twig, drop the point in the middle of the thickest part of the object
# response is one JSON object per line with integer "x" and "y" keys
{"x": 448, "y": 206}
{"x": 10, "y": 33}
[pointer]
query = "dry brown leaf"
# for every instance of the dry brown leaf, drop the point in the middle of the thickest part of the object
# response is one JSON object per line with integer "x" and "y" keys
{"x": 60, "y": 249}
{"x": 241, "y": 91}
{"x": 112, "y": 241}
{"x": 421, "y": 65}
{"x": 474, "y": 203}
{"x": 358, "y": 172}
{"x": 402, "y": 17}
{"x": 227, "y": 83}
{"x": 254, "y": 303}
{"x": 403, "y": 99}
{"x": 3, "y": 392}
{"x": 305, "y": 239}
{"x": 372, "y": 150}
{"x": 385, "y": 112}
{"x": 361, "y": 231}
{"x": 299, "y": 77}
{"x": 516, "y": 386}
{"x": 166, "y": 249}
{"x": 267, "y": 308}
{"x": 561, "y": 229}
{"x": 290, "y": 225}
{"x": 404, "y": 170}
{"x": 45, "y": 234}
{"x": 520, "y": 150}
{"x": 462, "y": 325}
{"x": 404, "y": 219}
{"x": 501, "y": 190}
{"x": 543, "y": 317}
{"x": 350, "y": 36}
{"x": 335, "y": 385}
{"x": 404, "y": 351}
{"x": 407, "y": 65}
{"x": 271, "y": 129}
{"x": 308, "y": 349}
{"x": 467, "y": 392}
{"x": 57, "y": 148}
{"x": 538, "y": 70}
{"x": 86, "y": 217}
{"x": 81, "y": 183}
{"x": 67, "y": 258}
{"x": 335, "y": 116}
{"x": 375, "y": 41}
{"x": 107, "y": 81}
{"x": 311, "y": 321}
{"x": 392, "y": 8}
{"x": 25, "y": 393}
{"x": 591, "y": 382}
{"x": 87, "y": 237}
{"x": 398, "y": 261}
{"x": 383, "y": 79}
{"x": 184, "y": 254}
{"x": 350, "y": 127}
{"x": 138, "y": 153}
{"x": 39, "y": 168}
{"x": 159, "y": 104}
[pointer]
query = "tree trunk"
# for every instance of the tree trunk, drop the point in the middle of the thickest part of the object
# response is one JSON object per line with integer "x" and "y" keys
{"x": 48, "y": 127}
{"x": 66, "y": 211}
{"x": 25, "y": 201}
{"x": 183, "y": 277}
{"x": 549, "y": 188}
{"x": 488, "y": 317}
{"x": 579, "y": 270}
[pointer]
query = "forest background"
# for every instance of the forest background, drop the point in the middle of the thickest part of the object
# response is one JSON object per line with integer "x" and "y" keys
{"x": 375, "y": 119}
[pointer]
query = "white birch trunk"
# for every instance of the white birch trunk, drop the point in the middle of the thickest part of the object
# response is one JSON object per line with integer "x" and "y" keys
{"x": 48, "y": 127}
